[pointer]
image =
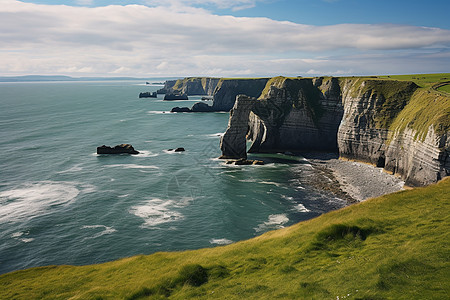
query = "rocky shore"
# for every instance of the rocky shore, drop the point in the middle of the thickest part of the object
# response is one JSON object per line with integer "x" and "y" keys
{"x": 350, "y": 180}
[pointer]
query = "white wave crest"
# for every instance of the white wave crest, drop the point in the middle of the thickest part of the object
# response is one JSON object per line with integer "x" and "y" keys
{"x": 220, "y": 241}
{"x": 214, "y": 135}
{"x": 274, "y": 222}
{"x": 73, "y": 169}
{"x": 301, "y": 208}
{"x": 157, "y": 211}
{"x": 157, "y": 112}
{"x": 132, "y": 166}
{"x": 35, "y": 199}
{"x": 106, "y": 230}
{"x": 144, "y": 153}
{"x": 18, "y": 236}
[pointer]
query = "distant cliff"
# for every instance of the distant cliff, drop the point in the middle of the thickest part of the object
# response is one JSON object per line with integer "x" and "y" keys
{"x": 223, "y": 90}
{"x": 227, "y": 90}
{"x": 190, "y": 86}
{"x": 388, "y": 123}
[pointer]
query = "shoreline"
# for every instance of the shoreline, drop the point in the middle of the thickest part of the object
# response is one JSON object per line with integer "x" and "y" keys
{"x": 354, "y": 181}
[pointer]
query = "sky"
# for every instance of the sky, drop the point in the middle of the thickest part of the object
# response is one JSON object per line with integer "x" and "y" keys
{"x": 245, "y": 38}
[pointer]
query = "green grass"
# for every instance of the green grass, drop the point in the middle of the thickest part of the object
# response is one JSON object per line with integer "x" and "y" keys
{"x": 425, "y": 108}
{"x": 422, "y": 80}
{"x": 444, "y": 88}
{"x": 392, "y": 247}
{"x": 405, "y": 105}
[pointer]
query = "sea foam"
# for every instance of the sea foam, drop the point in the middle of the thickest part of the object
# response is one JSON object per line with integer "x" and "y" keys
{"x": 220, "y": 241}
{"x": 132, "y": 166}
{"x": 301, "y": 208}
{"x": 156, "y": 211}
{"x": 276, "y": 221}
{"x": 106, "y": 230}
{"x": 35, "y": 199}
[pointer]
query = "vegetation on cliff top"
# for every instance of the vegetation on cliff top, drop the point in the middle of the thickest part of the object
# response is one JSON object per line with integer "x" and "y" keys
{"x": 178, "y": 86}
{"x": 425, "y": 108}
{"x": 422, "y": 80}
{"x": 408, "y": 101}
{"x": 392, "y": 247}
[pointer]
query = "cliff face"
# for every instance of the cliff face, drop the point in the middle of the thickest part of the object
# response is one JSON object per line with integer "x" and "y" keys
{"x": 233, "y": 142}
{"x": 168, "y": 84}
{"x": 392, "y": 124}
{"x": 295, "y": 115}
{"x": 190, "y": 86}
{"x": 370, "y": 106}
{"x": 227, "y": 90}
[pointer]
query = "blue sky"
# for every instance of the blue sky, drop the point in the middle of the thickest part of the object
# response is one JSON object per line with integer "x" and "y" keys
{"x": 224, "y": 37}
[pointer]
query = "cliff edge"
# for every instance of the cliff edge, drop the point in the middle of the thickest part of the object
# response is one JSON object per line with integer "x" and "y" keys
{"x": 392, "y": 124}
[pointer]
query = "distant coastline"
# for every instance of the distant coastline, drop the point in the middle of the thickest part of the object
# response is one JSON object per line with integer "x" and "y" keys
{"x": 41, "y": 78}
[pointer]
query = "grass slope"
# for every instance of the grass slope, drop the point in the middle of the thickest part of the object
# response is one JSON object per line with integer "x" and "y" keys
{"x": 392, "y": 247}
{"x": 422, "y": 80}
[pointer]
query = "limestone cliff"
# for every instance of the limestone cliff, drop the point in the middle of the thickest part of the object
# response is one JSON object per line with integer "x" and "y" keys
{"x": 191, "y": 86}
{"x": 227, "y": 90}
{"x": 392, "y": 124}
{"x": 296, "y": 115}
{"x": 223, "y": 90}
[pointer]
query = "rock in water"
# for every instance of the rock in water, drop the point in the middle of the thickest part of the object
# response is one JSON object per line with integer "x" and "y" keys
{"x": 244, "y": 162}
{"x": 119, "y": 149}
{"x": 201, "y": 107}
{"x": 148, "y": 95}
{"x": 176, "y": 97}
{"x": 180, "y": 109}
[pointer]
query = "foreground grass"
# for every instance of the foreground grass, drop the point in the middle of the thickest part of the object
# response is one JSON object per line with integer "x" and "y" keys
{"x": 392, "y": 247}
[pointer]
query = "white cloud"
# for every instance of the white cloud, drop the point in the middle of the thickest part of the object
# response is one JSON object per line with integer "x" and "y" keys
{"x": 221, "y": 4}
{"x": 161, "y": 41}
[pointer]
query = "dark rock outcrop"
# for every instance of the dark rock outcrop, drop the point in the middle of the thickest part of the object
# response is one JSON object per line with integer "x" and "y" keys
{"x": 244, "y": 162}
{"x": 169, "y": 97}
{"x": 233, "y": 142}
{"x": 119, "y": 149}
{"x": 168, "y": 84}
{"x": 201, "y": 107}
{"x": 179, "y": 149}
{"x": 180, "y": 109}
{"x": 148, "y": 95}
{"x": 197, "y": 107}
{"x": 222, "y": 91}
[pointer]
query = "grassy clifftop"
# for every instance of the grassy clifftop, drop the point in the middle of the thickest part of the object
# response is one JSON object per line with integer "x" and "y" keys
{"x": 405, "y": 101}
{"x": 392, "y": 247}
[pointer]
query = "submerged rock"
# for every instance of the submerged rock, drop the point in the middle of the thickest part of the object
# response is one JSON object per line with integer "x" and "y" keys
{"x": 244, "y": 162}
{"x": 179, "y": 149}
{"x": 119, "y": 149}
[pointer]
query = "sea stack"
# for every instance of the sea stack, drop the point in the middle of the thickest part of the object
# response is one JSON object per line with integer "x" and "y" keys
{"x": 119, "y": 149}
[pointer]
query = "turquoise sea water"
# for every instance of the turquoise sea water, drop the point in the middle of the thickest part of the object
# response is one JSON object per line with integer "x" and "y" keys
{"x": 61, "y": 203}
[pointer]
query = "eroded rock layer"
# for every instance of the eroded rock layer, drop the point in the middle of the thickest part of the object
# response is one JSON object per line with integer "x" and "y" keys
{"x": 391, "y": 124}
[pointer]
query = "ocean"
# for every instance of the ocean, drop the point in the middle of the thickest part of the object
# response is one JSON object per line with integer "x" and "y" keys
{"x": 61, "y": 203}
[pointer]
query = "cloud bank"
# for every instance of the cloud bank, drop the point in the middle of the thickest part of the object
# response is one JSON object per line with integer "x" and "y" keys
{"x": 138, "y": 40}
